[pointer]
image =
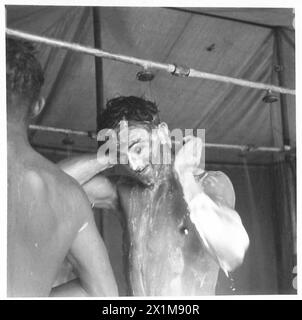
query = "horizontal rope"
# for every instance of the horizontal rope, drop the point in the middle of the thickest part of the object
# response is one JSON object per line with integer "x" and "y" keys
{"x": 146, "y": 64}
{"x": 92, "y": 135}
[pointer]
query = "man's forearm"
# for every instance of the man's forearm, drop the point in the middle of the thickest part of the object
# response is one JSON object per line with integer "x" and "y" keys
{"x": 189, "y": 185}
{"x": 85, "y": 167}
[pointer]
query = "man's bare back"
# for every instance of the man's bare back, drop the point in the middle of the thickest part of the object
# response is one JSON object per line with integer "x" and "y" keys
{"x": 43, "y": 220}
{"x": 49, "y": 215}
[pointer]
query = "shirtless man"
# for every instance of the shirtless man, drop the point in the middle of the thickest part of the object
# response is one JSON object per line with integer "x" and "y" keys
{"x": 180, "y": 221}
{"x": 49, "y": 215}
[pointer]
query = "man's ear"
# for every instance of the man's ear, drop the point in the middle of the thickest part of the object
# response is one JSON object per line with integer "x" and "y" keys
{"x": 163, "y": 133}
{"x": 37, "y": 107}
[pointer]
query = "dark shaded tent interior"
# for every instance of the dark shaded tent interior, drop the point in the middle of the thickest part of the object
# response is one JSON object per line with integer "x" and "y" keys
{"x": 247, "y": 43}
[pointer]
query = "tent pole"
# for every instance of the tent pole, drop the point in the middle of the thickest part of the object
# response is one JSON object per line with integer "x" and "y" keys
{"x": 290, "y": 199}
{"x": 99, "y": 89}
{"x": 283, "y": 102}
{"x": 97, "y": 33}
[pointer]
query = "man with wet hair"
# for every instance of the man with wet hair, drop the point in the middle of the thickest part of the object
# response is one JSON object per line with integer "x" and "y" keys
{"x": 180, "y": 220}
{"x": 49, "y": 216}
{"x": 131, "y": 109}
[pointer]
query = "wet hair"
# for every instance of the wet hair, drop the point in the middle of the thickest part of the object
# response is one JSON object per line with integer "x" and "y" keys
{"x": 131, "y": 109}
{"x": 24, "y": 74}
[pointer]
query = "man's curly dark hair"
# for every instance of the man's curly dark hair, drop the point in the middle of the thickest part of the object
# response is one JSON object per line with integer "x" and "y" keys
{"x": 129, "y": 108}
{"x": 24, "y": 74}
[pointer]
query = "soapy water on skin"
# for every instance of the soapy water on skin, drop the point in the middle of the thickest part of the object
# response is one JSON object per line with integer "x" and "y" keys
{"x": 146, "y": 227}
{"x": 166, "y": 257}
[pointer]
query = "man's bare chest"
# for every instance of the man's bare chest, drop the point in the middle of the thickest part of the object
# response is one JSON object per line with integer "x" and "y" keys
{"x": 165, "y": 247}
{"x": 158, "y": 221}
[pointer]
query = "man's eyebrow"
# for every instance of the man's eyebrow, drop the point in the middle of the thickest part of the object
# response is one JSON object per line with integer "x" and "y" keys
{"x": 133, "y": 143}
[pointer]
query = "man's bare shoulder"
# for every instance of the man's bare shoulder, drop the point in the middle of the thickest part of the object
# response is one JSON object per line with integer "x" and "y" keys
{"x": 218, "y": 186}
{"x": 41, "y": 173}
{"x": 63, "y": 193}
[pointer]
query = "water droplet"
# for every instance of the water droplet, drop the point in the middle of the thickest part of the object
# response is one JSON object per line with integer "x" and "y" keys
{"x": 184, "y": 230}
{"x": 232, "y": 284}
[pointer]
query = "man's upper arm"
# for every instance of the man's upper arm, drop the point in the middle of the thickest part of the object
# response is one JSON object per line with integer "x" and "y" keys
{"x": 219, "y": 188}
{"x": 89, "y": 256}
{"x": 101, "y": 192}
{"x": 83, "y": 168}
{"x": 217, "y": 222}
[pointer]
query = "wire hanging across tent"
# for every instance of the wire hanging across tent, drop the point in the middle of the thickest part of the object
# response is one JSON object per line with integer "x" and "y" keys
{"x": 147, "y": 64}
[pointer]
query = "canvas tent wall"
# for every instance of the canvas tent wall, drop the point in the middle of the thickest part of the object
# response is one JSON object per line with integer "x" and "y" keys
{"x": 254, "y": 44}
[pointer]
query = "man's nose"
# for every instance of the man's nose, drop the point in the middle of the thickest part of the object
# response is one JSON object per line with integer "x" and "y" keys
{"x": 137, "y": 166}
{"x": 137, "y": 163}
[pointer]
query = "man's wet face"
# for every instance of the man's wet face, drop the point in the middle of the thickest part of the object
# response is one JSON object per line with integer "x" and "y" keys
{"x": 139, "y": 152}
